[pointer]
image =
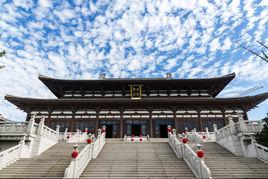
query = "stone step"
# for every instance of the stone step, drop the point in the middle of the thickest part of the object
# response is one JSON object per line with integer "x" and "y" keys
{"x": 52, "y": 163}
{"x": 128, "y": 160}
{"x": 224, "y": 164}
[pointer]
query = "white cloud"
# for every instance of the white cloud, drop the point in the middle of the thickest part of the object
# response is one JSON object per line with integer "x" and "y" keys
{"x": 45, "y": 3}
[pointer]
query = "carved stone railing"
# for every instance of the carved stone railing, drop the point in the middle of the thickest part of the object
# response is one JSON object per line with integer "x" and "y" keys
{"x": 49, "y": 133}
{"x": 77, "y": 137}
{"x": 240, "y": 127}
{"x": 18, "y": 128}
{"x": 11, "y": 127}
{"x": 12, "y": 154}
{"x": 194, "y": 137}
{"x": 77, "y": 165}
{"x": 253, "y": 126}
{"x": 175, "y": 145}
{"x": 262, "y": 152}
{"x": 196, "y": 164}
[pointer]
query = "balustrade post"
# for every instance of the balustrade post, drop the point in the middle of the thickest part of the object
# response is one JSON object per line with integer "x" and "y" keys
{"x": 215, "y": 127}
{"x": 41, "y": 126}
{"x": 31, "y": 124}
{"x": 207, "y": 132}
{"x": 65, "y": 134}
{"x": 231, "y": 123}
{"x": 242, "y": 124}
{"x": 22, "y": 143}
{"x": 57, "y": 132}
{"x": 13, "y": 127}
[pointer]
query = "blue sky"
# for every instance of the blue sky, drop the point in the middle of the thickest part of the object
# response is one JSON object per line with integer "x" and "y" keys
{"x": 82, "y": 39}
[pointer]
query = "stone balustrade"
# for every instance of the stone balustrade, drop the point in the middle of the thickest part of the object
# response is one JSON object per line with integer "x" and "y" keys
{"x": 77, "y": 165}
{"x": 12, "y": 154}
{"x": 39, "y": 138}
{"x": 261, "y": 152}
{"x": 196, "y": 164}
{"x": 76, "y": 137}
{"x": 14, "y": 127}
{"x": 195, "y": 137}
{"x": 240, "y": 127}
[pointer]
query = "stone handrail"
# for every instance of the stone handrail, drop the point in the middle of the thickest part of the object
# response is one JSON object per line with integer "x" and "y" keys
{"x": 10, "y": 155}
{"x": 98, "y": 144}
{"x": 9, "y": 127}
{"x": 262, "y": 152}
{"x": 194, "y": 137}
{"x": 50, "y": 133}
{"x": 175, "y": 145}
{"x": 253, "y": 126}
{"x": 196, "y": 164}
{"x": 14, "y": 153}
{"x": 77, "y": 165}
{"x": 77, "y": 137}
{"x": 241, "y": 126}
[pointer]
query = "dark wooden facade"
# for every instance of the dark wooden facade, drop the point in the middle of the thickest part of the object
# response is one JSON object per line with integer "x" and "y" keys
{"x": 137, "y": 106}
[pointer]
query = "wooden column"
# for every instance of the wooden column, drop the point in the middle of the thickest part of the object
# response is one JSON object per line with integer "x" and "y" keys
{"x": 151, "y": 123}
{"x": 245, "y": 115}
{"x": 199, "y": 120}
{"x": 97, "y": 122}
{"x": 121, "y": 123}
{"x": 48, "y": 122}
{"x": 72, "y": 126}
{"x": 175, "y": 119}
{"x": 224, "y": 117}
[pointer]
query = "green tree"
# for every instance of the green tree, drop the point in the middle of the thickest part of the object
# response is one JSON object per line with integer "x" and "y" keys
{"x": 262, "y": 137}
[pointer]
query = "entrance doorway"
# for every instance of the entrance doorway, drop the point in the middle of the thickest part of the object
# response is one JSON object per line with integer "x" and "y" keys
{"x": 111, "y": 128}
{"x": 160, "y": 129}
{"x": 109, "y": 131}
{"x": 163, "y": 131}
{"x": 136, "y": 129}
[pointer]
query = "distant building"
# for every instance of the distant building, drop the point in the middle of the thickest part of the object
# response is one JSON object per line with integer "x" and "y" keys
{"x": 137, "y": 105}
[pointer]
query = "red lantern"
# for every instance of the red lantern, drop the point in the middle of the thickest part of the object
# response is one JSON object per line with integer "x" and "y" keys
{"x": 103, "y": 130}
{"x": 89, "y": 141}
{"x": 184, "y": 140}
{"x": 200, "y": 153}
{"x": 74, "y": 154}
{"x": 204, "y": 137}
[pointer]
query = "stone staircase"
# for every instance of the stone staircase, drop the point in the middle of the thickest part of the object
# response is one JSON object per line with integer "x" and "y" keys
{"x": 137, "y": 160}
{"x": 51, "y": 163}
{"x": 224, "y": 164}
